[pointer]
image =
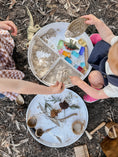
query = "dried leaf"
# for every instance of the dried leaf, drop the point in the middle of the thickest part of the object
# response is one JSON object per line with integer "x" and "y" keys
{"x": 52, "y": 12}
{"x": 74, "y": 106}
{"x": 59, "y": 139}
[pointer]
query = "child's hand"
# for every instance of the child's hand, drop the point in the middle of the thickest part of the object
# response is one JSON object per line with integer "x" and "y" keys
{"x": 90, "y": 19}
{"x": 75, "y": 80}
{"x": 57, "y": 88}
{"x": 10, "y": 26}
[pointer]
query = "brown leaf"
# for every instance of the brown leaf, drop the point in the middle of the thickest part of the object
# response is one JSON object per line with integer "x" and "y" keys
{"x": 52, "y": 12}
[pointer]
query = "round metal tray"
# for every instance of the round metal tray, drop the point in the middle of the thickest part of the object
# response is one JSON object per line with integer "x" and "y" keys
{"x": 54, "y": 67}
{"x": 61, "y": 135}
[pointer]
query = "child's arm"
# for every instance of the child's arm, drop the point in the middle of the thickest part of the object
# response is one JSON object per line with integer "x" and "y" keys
{"x": 10, "y": 26}
{"x": 26, "y": 87}
{"x": 97, "y": 94}
{"x": 104, "y": 31}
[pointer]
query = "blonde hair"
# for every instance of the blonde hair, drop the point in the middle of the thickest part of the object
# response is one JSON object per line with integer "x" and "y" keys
{"x": 113, "y": 56}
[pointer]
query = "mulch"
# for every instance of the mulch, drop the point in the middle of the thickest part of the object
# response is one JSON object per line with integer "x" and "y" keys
{"x": 15, "y": 140}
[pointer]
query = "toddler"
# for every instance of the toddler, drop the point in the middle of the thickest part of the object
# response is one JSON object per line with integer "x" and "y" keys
{"x": 104, "y": 79}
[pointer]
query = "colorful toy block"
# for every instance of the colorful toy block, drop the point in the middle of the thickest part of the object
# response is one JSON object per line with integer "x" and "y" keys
{"x": 60, "y": 44}
{"x": 60, "y": 51}
{"x": 81, "y": 69}
{"x": 66, "y": 54}
{"x": 81, "y": 51}
{"x": 74, "y": 53}
{"x": 82, "y": 64}
{"x": 85, "y": 68}
{"x": 76, "y": 66}
{"x": 68, "y": 60}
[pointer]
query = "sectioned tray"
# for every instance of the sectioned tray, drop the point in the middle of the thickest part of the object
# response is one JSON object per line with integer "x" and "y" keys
{"x": 45, "y": 61}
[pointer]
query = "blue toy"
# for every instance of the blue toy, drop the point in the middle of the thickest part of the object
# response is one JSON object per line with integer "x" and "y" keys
{"x": 81, "y": 51}
{"x": 82, "y": 64}
{"x": 68, "y": 60}
{"x": 76, "y": 66}
{"x": 74, "y": 53}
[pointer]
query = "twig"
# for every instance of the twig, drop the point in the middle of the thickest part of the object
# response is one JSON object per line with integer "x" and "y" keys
{"x": 73, "y": 114}
{"x": 12, "y": 4}
{"x": 17, "y": 124}
{"x": 21, "y": 142}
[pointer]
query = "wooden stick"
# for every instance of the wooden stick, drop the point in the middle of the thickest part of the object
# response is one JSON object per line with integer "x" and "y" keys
{"x": 97, "y": 128}
{"x": 86, "y": 56}
{"x": 114, "y": 132}
{"x": 88, "y": 135}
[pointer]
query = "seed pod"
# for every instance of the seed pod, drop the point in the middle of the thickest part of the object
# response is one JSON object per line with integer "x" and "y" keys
{"x": 77, "y": 127}
{"x": 32, "y": 122}
{"x": 54, "y": 113}
{"x": 64, "y": 105}
{"x": 39, "y": 132}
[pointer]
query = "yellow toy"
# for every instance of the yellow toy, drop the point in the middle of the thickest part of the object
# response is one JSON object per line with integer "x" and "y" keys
{"x": 31, "y": 28}
{"x": 82, "y": 42}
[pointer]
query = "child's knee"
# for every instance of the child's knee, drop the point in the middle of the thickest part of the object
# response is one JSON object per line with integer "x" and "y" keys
{"x": 95, "y": 76}
{"x": 92, "y": 75}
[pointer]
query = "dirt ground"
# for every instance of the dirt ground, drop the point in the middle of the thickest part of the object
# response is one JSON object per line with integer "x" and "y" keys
{"x": 15, "y": 140}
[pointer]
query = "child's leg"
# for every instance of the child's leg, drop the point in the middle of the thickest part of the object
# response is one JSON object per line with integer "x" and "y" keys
{"x": 96, "y": 79}
{"x": 12, "y": 74}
